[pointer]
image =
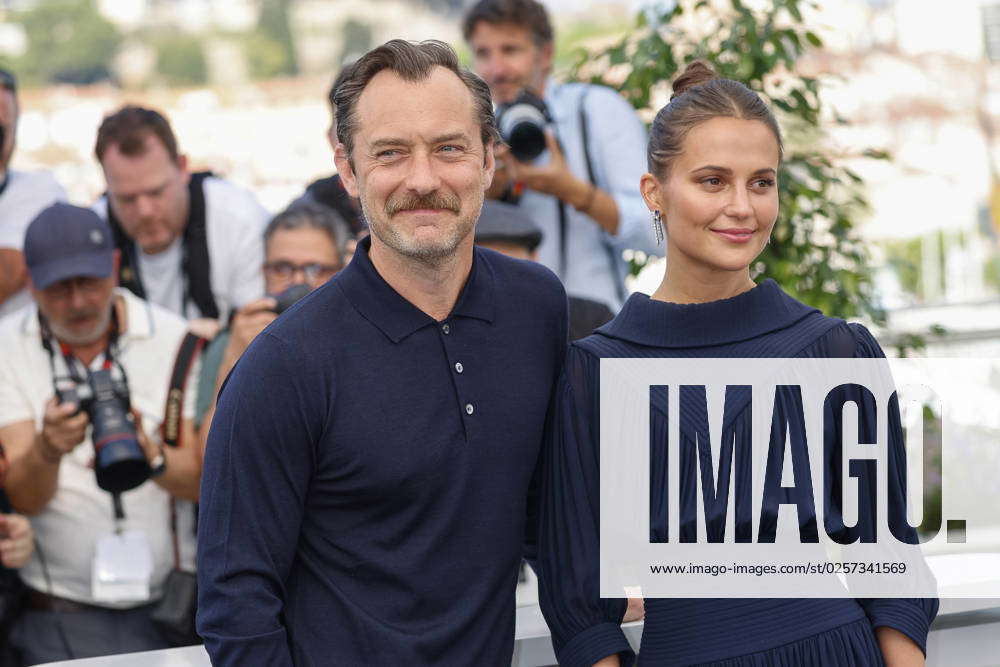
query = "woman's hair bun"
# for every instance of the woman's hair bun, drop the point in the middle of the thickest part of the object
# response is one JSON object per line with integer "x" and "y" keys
{"x": 696, "y": 73}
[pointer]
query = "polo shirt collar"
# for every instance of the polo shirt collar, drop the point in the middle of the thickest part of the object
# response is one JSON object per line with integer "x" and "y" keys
{"x": 396, "y": 317}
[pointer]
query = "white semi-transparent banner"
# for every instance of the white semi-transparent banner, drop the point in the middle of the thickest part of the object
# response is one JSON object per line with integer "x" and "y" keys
{"x": 796, "y": 477}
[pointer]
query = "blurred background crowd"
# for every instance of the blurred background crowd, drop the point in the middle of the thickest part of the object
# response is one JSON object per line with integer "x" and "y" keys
{"x": 195, "y": 139}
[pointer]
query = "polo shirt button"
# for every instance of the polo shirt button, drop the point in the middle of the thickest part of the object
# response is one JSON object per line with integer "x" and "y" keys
{"x": 458, "y": 367}
{"x": 445, "y": 329}
{"x": 469, "y": 409}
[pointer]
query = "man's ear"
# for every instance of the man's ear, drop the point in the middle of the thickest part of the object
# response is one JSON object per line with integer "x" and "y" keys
{"x": 489, "y": 164}
{"x": 346, "y": 170}
{"x": 182, "y": 166}
{"x": 116, "y": 260}
{"x": 547, "y": 54}
{"x": 331, "y": 137}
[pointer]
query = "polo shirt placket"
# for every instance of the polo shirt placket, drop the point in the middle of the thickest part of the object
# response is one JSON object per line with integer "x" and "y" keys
{"x": 463, "y": 382}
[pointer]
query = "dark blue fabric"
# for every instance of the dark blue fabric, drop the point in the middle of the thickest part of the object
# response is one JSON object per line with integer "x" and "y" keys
{"x": 763, "y": 322}
{"x": 353, "y": 511}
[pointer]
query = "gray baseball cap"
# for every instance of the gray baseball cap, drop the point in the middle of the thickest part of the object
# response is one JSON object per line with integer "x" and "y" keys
{"x": 66, "y": 241}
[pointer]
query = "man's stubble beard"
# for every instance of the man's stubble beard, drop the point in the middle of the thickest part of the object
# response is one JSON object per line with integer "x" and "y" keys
{"x": 428, "y": 253}
{"x": 68, "y": 336}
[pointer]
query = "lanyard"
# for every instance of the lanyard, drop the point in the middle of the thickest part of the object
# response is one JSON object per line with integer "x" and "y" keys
{"x": 72, "y": 364}
{"x": 73, "y": 374}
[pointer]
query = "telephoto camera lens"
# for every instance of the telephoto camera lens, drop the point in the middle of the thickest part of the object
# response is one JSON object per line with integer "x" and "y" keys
{"x": 119, "y": 462}
{"x": 522, "y": 126}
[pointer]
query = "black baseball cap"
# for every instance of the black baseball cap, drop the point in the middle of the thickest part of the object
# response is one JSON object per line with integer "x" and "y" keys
{"x": 66, "y": 241}
{"x": 500, "y": 221}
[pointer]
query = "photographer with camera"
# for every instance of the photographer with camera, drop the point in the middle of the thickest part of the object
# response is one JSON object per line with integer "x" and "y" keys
{"x": 303, "y": 248}
{"x": 84, "y": 379}
{"x": 189, "y": 241}
{"x": 575, "y": 151}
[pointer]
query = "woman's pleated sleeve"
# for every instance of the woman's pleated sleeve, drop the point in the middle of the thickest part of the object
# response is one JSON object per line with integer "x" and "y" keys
{"x": 911, "y": 616}
{"x": 585, "y": 628}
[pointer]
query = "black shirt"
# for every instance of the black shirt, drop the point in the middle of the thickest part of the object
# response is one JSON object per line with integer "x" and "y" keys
{"x": 366, "y": 482}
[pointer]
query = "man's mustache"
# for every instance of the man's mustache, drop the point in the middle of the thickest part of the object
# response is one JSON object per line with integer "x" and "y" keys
{"x": 434, "y": 200}
{"x": 82, "y": 316}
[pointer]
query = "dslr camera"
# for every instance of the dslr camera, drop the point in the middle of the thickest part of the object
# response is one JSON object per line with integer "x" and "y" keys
{"x": 290, "y": 296}
{"x": 119, "y": 461}
{"x": 522, "y": 125}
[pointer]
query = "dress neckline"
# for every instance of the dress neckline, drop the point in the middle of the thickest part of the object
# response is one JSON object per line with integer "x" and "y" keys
{"x": 762, "y": 309}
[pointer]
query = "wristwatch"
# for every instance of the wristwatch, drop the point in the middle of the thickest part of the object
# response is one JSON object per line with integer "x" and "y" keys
{"x": 158, "y": 465}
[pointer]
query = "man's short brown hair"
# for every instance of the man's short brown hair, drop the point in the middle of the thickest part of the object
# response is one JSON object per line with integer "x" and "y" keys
{"x": 524, "y": 13}
{"x": 412, "y": 61}
{"x": 129, "y": 127}
{"x": 341, "y": 76}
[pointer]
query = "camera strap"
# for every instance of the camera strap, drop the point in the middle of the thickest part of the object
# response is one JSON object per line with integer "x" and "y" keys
{"x": 170, "y": 430}
{"x": 195, "y": 261}
{"x": 585, "y": 138}
{"x": 75, "y": 369}
{"x": 189, "y": 350}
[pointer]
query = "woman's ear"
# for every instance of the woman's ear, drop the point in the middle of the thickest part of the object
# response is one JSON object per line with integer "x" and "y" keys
{"x": 652, "y": 192}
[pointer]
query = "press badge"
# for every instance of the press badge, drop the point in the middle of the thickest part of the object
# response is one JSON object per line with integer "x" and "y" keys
{"x": 123, "y": 565}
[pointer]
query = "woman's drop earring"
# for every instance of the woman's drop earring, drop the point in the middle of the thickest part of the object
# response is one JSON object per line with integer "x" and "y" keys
{"x": 658, "y": 227}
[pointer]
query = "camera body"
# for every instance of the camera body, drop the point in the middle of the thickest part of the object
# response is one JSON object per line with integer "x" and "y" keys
{"x": 119, "y": 461}
{"x": 522, "y": 125}
{"x": 288, "y": 297}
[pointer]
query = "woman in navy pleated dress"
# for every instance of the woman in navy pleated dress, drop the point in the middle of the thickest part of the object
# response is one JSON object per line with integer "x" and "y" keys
{"x": 714, "y": 152}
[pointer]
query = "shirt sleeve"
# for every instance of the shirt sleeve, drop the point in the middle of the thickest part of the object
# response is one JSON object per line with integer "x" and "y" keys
{"x": 258, "y": 464}
{"x": 15, "y": 405}
{"x": 244, "y": 246}
{"x": 585, "y": 628}
{"x": 911, "y": 616}
{"x": 30, "y": 194}
{"x": 534, "y": 490}
{"x": 617, "y": 140}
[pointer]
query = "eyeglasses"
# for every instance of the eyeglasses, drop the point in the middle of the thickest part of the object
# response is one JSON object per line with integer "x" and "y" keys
{"x": 312, "y": 271}
{"x": 8, "y": 81}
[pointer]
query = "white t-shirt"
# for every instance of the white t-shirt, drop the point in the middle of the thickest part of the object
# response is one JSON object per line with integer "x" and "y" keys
{"x": 26, "y": 195}
{"x": 234, "y": 223}
{"x": 80, "y": 513}
{"x": 162, "y": 277}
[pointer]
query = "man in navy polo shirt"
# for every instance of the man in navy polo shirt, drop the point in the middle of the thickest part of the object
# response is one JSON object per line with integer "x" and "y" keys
{"x": 367, "y": 477}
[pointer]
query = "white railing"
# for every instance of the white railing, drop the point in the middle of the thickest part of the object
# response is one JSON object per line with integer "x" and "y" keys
{"x": 966, "y": 632}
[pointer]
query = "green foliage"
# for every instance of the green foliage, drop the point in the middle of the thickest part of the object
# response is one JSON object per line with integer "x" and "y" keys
{"x": 905, "y": 259}
{"x": 568, "y": 37}
{"x": 991, "y": 272}
{"x": 180, "y": 59}
{"x": 68, "y": 41}
{"x": 266, "y": 58}
{"x": 815, "y": 253}
{"x": 357, "y": 41}
{"x": 271, "y": 48}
